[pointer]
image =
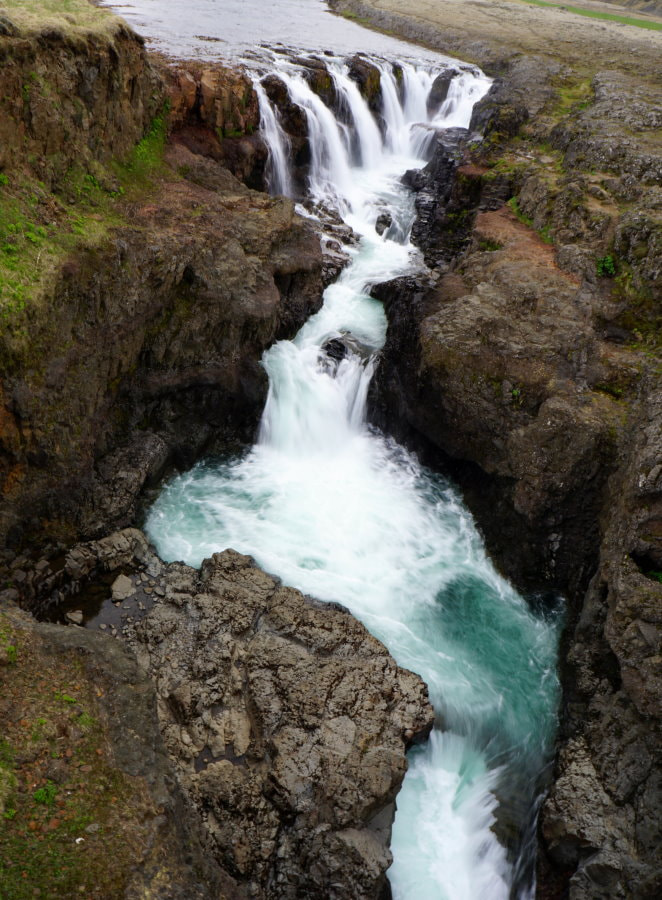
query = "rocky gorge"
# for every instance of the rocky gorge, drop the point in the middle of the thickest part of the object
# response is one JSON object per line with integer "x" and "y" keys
{"x": 521, "y": 364}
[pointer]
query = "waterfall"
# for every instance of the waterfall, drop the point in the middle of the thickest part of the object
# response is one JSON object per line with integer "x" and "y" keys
{"x": 278, "y": 169}
{"x": 367, "y": 132}
{"x": 344, "y": 513}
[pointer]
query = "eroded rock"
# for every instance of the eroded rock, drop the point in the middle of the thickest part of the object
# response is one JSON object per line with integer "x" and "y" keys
{"x": 287, "y": 723}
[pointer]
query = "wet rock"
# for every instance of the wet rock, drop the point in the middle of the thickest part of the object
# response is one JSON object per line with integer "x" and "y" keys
{"x": 75, "y": 616}
{"x": 317, "y": 75}
{"x": 287, "y": 723}
{"x": 122, "y": 588}
{"x": 368, "y": 78}
{"x": 443, "y": 202}
{"x": 384, "y": 221}
{"x": 439, "y": 90}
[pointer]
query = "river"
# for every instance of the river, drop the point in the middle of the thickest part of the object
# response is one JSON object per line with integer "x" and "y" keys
{"x": 344, "y": 513}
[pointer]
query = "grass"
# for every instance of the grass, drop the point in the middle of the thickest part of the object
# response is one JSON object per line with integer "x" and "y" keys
{"x": 57, "y": 779}
{"x": 595, "y": 14}
{"x": 573, "y": 97}
{"x": 514, "y": 206}
{"x": 73, "y": 17}
{"x": 39, "y": 229}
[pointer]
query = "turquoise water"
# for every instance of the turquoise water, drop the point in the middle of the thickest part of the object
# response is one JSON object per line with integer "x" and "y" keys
{"x": 344, "y": 513}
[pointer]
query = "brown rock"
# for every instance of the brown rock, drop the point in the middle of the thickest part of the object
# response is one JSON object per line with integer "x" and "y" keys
{"x": 288, "y": 724}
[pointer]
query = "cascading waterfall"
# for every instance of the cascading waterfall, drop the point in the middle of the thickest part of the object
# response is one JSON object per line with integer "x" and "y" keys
{"x": 344, "y": 513}
{"x": 278, "y": 170}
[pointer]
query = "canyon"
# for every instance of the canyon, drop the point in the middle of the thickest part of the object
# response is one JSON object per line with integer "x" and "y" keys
{"x": 145, "y": 271}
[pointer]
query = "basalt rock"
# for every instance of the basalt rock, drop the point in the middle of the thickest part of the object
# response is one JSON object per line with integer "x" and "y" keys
{"x": 215, "y": 113}
{"x": 439, "y": 90}
{"x": 286, "y": 721}
{"x": 294, "y": 123}
{"x": 141, "y": 348}
{"x": 108, "y": 93}
{"x": 368, "y": 78}
{"x": 443, "y": 202}
{"x": 514, "y": 365}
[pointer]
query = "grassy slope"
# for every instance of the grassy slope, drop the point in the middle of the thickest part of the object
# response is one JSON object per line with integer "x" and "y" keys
{"x": 71, "y": 16}
{"x": 599, "y": 14}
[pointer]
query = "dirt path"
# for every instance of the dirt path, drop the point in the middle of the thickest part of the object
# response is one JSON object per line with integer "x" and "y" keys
{"x": 490, "y": 30}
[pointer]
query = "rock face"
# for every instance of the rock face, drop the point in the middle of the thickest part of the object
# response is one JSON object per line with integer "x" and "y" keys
{"x": 137, "y": 348}
{"x": 288, "y": 724}
{"x": 107, "y": 92}
{"x": 602, "y": 816}
{"x": 518, "y": 364}
{"x": 286, "y": 721}
{"x": 215, "y": 113}
{"x": 166, "y": 323}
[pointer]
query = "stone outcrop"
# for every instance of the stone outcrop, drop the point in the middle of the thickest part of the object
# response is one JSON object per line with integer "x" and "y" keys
{"x": 215, "y": 112}
{"x": 286, "y": 721}
{"x": 73, "y": 94}
{"x": 151, "y": 346}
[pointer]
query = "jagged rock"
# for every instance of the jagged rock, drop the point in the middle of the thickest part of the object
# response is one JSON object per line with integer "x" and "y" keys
{"x": 287, "y": 723}
{"x": 384, "y": 221}
{"x": 317, "y": 75}
{"x": 109, "y": 98}
{"x": 439, "y": 90}
{"x": 368, "y": 78}
{"x": 442, "y": 207}
{"x": 171, "y": 322}
{"x": 498, "y": 112}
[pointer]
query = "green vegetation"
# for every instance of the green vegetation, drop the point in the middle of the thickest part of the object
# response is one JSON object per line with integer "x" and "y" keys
{"x": 605, "y": 266}
{"x": 40, "y": 228}
{"x": 72, "y": 17}
{"x": 8, "y": 652}
{"x": 46, "y": 794}
{"x": 489, "y": 246}
{"x": 56, "y": 780}
{"x": 595, "y": 14}
{"x": 514, "y": 206}
{"x": 575, "y": 96}
{"x": 609, "y": 388}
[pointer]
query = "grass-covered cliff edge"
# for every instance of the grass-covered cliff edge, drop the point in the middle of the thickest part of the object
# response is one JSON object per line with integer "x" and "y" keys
{"x": 135, "y": 272}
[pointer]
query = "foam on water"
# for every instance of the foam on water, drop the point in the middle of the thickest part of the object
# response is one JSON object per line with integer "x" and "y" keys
{"x": 346, "y": 514}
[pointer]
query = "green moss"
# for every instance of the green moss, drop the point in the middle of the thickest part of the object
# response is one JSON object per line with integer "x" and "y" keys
{"x": 39, "y": 229}
{"x": 611, "y": 389}
{"x": 489, "y": 246}
{"x": 514, "y": 206}
{"x": 574, "y": 96}
{"x": 598, "y": 14}
{"x": 605, "y": 266}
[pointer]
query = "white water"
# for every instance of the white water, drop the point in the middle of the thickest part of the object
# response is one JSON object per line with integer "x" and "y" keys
{"x": 345, "y": 514}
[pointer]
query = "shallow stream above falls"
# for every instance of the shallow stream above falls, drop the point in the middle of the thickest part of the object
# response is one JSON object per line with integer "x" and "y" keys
{"x": 345, "y": 514}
